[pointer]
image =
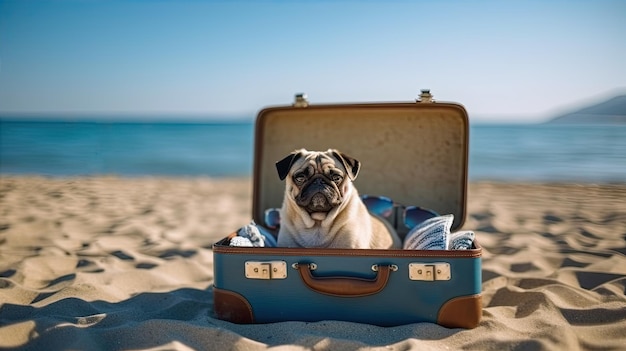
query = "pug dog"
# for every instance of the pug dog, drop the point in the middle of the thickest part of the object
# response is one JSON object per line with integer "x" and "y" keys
{"x": 322, "y": 208}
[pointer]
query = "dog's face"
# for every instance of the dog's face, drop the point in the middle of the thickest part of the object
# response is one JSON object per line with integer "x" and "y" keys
{"x": 318, "y": 181}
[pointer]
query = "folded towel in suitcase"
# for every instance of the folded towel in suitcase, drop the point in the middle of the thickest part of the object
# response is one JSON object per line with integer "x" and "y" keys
{"x": 432, "y": 234}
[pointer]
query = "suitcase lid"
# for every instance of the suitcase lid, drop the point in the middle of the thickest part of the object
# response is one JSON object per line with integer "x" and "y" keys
{"x": 415, "y": 153}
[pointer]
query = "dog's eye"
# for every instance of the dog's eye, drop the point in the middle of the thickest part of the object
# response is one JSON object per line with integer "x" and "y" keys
{"x": 337, "y": 178}
{"x": 299, "y": 178}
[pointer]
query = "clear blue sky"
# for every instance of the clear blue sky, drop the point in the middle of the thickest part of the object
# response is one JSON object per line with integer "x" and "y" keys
{"x": 501, "y": 59}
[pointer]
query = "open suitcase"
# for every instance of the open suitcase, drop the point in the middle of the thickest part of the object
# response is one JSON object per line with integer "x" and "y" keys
{"x": 415, "y": 153}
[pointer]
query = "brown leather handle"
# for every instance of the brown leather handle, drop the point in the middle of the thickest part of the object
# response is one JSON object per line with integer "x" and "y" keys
{"x": 345, "y": 286}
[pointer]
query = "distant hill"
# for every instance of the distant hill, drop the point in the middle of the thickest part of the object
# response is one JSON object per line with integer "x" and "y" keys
{"x": 612, "y": 111}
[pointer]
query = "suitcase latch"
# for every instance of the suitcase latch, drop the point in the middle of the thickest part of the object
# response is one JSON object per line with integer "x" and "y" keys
{"x": 425, "y": 96}
{"x": 266, "y": 269}
{"x": 301, "y": 100}
{"x": 429, "y": 271}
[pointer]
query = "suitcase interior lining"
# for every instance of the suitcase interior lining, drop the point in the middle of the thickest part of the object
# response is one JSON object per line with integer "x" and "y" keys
{"x": 415, "y": 154}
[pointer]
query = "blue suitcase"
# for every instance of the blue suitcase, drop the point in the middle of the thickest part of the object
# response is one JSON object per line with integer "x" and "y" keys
{"x": 415, "y": 153}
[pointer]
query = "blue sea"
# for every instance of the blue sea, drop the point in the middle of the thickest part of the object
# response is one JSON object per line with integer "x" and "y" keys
{"x": 523, "y": 152}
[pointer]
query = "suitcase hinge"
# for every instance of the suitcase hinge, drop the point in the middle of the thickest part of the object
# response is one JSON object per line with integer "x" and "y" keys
{"x": 425, "y": 96}
{"x": 266, "y": 270}
{"x": 429, "y": 271}
{"x": 301, "y": 100}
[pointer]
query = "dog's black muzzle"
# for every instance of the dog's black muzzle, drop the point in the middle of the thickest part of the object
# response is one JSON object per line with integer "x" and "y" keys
{"x": 319, "y": 194}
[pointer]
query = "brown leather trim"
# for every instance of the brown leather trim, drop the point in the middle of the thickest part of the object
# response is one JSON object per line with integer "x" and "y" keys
{"x": 226, "y": 241}
{"x": 345, "y": 286}
{"x": 461, "y": 312}
{"x": 231, "y": 306}
{"x": 221, "y": 247}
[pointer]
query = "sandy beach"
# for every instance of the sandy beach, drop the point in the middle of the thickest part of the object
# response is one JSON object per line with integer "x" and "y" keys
{"x": 108, "y": 263}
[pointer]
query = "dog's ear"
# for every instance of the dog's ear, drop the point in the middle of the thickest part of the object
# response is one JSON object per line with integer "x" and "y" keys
{"x": 283, "y": 166}
{"x": 351, "y": 164}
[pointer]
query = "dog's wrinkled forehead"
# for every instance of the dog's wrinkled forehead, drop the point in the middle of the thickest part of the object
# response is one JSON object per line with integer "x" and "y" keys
{"x": 319, "y": 162}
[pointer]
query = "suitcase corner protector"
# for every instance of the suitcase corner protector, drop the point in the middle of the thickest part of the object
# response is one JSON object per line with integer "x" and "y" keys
{"x": 232, "y": 307}
{"x": 461, "y": 312}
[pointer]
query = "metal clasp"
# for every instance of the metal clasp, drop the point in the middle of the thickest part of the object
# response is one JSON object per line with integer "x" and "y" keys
{"x": 266, "y": 269}
{"x": 392, "y": 267}
{"x": 429, "y": 271}
{"x": 425, "y": 96}
{"x": 301, "y": 100}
